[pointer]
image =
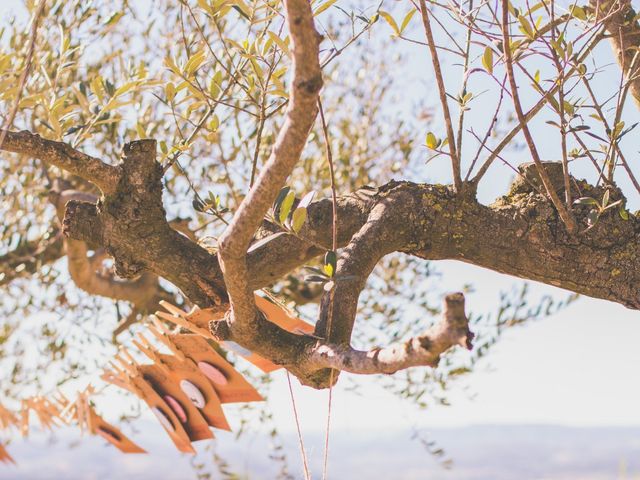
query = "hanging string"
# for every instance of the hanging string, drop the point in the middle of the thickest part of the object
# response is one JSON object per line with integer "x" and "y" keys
{"x": 334, "y": 247}
{"x": 295, "y": 415}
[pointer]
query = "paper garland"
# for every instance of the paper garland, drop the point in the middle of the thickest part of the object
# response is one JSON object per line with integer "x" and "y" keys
{"x": 197, "y": 321}
{"x": 184, "y": 389}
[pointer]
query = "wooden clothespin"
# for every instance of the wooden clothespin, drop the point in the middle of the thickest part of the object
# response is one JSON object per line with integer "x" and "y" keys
{"x": 24, "y": 418}
{"x": 181, "y": 319}
{"x": 116, "y": 376}
{"x": 8, "y": 419}
{"x": 161, "y": 333}
{"x": 4, "y": 455}
{"x": 47, "y": 412}
{"x": 145, "y": 346}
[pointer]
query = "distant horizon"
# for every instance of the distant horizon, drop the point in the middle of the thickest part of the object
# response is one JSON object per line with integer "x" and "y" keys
{"x": 478, "y": 452}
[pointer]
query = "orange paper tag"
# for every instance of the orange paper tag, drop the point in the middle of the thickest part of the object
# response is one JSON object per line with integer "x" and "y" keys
{"x": 195, "y": 385}
{"x": 99, "y": 426}
{"x": 133, "y": 381}
{"x": 183, "y": 409}
{"x": 228, "y": 383}
{"x": 198, "y": 320}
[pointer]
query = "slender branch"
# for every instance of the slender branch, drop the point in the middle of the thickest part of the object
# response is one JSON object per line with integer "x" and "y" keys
{"x": 63, "y": 156}
{"x": 455, "y": 159}
{"x": 562, "y": 211}
{"x": 465, "y": 80}
{"x": 604, "y": 121}
{"x": 31, "y": 256}
{"x": 25, "y": 72}
{"x": 533, "y": 111}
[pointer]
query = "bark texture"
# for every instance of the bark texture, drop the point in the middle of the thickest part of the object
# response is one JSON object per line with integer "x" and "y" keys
{"x": 520, "y": 234}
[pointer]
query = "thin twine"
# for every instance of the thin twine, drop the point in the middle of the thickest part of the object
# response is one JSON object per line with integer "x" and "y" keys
{"x": 295, "y": 414}
{"x": 334, "y": 247}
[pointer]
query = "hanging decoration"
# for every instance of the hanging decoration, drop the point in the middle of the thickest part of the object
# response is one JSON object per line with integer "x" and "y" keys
{"x": 184, "y": 388}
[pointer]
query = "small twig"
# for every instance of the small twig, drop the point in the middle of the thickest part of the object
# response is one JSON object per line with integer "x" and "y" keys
{"x": 533, "y": 111}
{"x": 334, "y": 247}
{"x": 33, "y": 36}
{"x": 566, "y": 216}
{"x": 455, "y": 160}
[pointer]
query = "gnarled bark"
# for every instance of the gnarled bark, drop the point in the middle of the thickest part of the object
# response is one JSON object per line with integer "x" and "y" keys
{"x": 520, "y": 234}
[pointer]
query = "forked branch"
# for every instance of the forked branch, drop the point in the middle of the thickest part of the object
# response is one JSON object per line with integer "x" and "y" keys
{"x": 300, "y": 116}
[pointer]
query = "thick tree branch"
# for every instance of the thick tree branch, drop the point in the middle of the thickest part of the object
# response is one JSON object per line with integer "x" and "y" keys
{"x": 31, "y": 256}
{"x": 624, "y": 29}
{"x": 520, "y": 235}
{"x": 424, "y": 350}
{"x": 301, "y": 112}
{"x": 133, "y": 216}
{"x": 378, "y": 237}
{"x": 88, "y": 272}
{"x": 63, "y": 156}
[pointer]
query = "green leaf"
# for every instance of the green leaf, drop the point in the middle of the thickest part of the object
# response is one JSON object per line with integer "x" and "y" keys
{"x": 285, "y": 207}
{"x": 281, "y": 196}
{"x": 170, "y": 91}
{"x": 431, "y": 141}
{"x": 307, "y": 199}
{"x": 605, "y": 199}
{"x": 197, "y": 204}
{"x": 592, "y": 218}
{"x": 623, "y": 212}
{"x": 324, "y": 7}
{"x": 568, "y": 108}
{"x": 586, "y": 201}
{"x": 617, "y": 130}
{"x": 487, "y": 59}
{"x": 280, "y": 42}
{"x": 124, "y": 88}
{"x": 242, "y": 8}
{"x": 194, "y": 62}
{"x": 526, "y": 27}
{"x": 407, "y": 19}
{"x": 298, "y": 218}
{"x": 113, "y": 19}
{"x": 392, "y": 23}
{"x": 578, "y": 12}
{"x": 330, "y": 262}
{"x": 214, "y": 89}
